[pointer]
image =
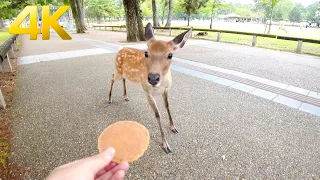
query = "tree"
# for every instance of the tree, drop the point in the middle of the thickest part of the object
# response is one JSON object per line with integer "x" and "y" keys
{"x": 243, "y": 12}
{"x": 155, "y": 13}
{"x": 313, "y": 12}
{"x": 82, "y": 10}
{"x": 192, "y": 6}
{"x": 146, "y": 8}
{"x": 178, "y": 9}
{"x": 215, "y": 4}
{"x": 296, "y": 13}
{"x": 170, "y": 13}
{"x": 102, "y": 8}
{"x": 283, "y": 9}
{"x": 204, "y": 12}
{"x": 163, "y": 8}
{"x": 135, "y": 32}
{"x": 5, "y": 12}
{"x": 268, "y": 4}
{"x": 76, "y": 13}
{"x": 10, "y": 9}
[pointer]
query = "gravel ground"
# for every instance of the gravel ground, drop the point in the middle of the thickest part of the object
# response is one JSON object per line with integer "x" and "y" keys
{"x": 60, "y": 108}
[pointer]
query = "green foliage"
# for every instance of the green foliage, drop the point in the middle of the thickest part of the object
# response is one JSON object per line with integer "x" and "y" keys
{"x": 313, "y": 12}
{"x": 283, "y": 9}
{"x": 266, "y": 6}
{"x": 103, "y": 8}
{"x": 163, "y": 6}
{"x": 205, "y": 12}
{"x": 146, "y": 8}
{"x": 178, "y": 10}
{"x": 4, "y": 153}
{"x": 7, "y": 10}
{"x": 243, "y": 12}
{"x": 4, "y": 35}
{"x": 192, "y": 6}
{"x": 296, "y": 13}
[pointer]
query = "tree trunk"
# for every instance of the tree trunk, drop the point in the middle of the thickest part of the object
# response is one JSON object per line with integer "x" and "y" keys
{"x": 75, "y": 6}
{"x": 188, "y": 19}
{"x": 83, "y": 9}
{"x": 269, "y": 30}
{"x": 211, "y": 16}
{"x": 1, "y": 23}
{"x": 140, "y": 24}
{"x": 168, "y": 24}
{"x": 130, "y": 7}
{"x": 155, "y": 13}
{"x": 162, "y": 18}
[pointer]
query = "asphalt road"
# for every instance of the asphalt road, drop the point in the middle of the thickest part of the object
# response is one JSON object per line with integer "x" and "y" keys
{"x": 60, "y": 108}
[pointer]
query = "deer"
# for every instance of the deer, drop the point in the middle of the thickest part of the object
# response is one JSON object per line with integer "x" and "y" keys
{"x": 151, "y": 69}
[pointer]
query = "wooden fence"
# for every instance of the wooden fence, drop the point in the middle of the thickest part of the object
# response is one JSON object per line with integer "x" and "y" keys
{"x": 219, "y": 32}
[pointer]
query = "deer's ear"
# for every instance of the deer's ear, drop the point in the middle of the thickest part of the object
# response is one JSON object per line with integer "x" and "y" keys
{"x": 181, "y": 39}
{"x": 148, "y": 34}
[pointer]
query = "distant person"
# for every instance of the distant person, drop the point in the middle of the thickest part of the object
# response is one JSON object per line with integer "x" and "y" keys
{"x": 40, "y": 24}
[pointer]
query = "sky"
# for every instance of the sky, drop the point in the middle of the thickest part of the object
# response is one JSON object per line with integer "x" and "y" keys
{"x": 303, "y": 2}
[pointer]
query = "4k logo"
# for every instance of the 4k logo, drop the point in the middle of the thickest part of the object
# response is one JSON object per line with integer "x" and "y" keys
{"x": 47, "y": 22}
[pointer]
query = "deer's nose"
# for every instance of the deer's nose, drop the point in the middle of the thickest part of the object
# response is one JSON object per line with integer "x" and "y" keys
{"x": 153, "y": 79}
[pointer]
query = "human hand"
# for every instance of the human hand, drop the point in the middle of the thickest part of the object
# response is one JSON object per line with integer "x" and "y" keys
{"x": 98, "y": 167}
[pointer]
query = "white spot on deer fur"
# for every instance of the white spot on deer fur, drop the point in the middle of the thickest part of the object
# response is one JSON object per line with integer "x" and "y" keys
{"x": 134, "y": 70}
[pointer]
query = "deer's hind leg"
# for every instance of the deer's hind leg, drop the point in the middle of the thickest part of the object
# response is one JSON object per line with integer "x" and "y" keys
{"x": 115, "y": 76}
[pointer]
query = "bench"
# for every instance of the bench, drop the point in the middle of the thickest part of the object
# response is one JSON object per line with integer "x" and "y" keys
{"x": 7, "y": 49}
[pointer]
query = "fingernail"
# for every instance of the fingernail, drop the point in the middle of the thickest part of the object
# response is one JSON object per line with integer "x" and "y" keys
{"x": 111, "y": 150}
{"x": 109, "y": 153}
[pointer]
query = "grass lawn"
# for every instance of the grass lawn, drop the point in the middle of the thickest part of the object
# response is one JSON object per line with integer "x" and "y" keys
{"x": 263, "y": 42}
{"x": 4, "y": 35}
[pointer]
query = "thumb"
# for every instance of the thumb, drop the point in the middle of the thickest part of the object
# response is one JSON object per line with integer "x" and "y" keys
{"x": 95, "y": 163}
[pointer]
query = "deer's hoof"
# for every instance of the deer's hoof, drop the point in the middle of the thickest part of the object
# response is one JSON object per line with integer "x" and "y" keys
{"x": 110, "y": 102}
{"x": 126, "y": 99}
{"x": 174, "y": 129}
{"x": 166, "y": 147}
{"x": 167, "y": 150}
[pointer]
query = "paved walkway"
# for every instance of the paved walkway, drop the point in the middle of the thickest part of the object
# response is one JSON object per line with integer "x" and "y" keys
{"x": 226, "y": 100}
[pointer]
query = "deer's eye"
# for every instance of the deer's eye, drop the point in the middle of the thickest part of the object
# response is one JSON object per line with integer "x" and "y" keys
{"x": 146, "y": 54}
{"x": 169, "y": 56}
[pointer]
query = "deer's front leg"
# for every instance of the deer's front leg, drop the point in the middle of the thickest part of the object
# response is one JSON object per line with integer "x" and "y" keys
{"x": 110, "y": 91}
{"x": 165, "y": 99}
{"x": 125, "y": 90}
{"x": 154, "y": 107}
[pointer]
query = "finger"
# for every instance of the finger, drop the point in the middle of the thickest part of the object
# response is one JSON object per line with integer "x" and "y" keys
{"x": 119, "y": 175}
{"x": 106, "y": 169}
{"x": 110, "y": 166}
{"x": 121, "y": 167}
{"x": 95, "y": 163}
